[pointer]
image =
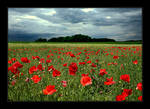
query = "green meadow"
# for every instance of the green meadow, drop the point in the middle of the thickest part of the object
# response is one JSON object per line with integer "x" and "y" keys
{"x": 99, "y": 54}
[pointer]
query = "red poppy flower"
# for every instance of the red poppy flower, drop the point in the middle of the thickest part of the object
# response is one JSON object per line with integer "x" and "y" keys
{"x": 17, "y": 65}
{"x": 9, "y": 62}
{"x": 52, "y": 54}
{"x": 111, "y": 53}
{"x": 127, "y": 92}
{"x": 50, "y": 68}
{"x": 79, "y": 53}
{"x": 73, "y": 68}
{"x": 115, "y": 57}
{"x": 88, "y": 62}
{"x": 48, "y": 61}
{"x": 36, "y": 78}
{"x": 21, "y": 74}
{"x": 37, "y": 57}
{"x": 109, "y": 63}
{"x": 56, "y": 73}
{"x": 13, "y": 59}
{"x": 115, "y": 63}
{"x": 85, "y": 80}
{"x": 32, "y": 69}
{"x": 13, "y": 69}
{"x": 42, "y": 60}
{"x": 120, "y": 98}
{"x": 102, "y": 72}
{"x": 93, "y": 65}
{"x": 109, "y": 81}
{"x": 96, "y": 60}
{"x": 65, "y": 64}
{"x": 64, "y": 83}
{"x": 48, "y": 56}
{"x": 121, "y": 66}
{"x": 87, "y": 57}
{"x": 125, "y": 77}
{"x": 135, "y": 62}
{"x": 78, "y": 57}
{"x": 39, "y": 67}
{"x": 81, "y": 63}
{"x": 140, "y": 98}
{"x": 25, "y": 60}
{"x": 139, "y": 86}
{"x": 13, "y": 82}
{"x": 92, "y": 70}
{"x": 33, "y": 57}
{"x": 50, "y": 89}
{"x": 72, "y": 55}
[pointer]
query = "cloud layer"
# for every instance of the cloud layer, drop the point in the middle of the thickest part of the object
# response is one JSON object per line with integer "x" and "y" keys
{"x": 28, "y": 24}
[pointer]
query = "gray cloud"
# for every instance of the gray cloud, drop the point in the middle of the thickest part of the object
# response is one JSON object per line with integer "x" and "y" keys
{"x": 117, "y": 23}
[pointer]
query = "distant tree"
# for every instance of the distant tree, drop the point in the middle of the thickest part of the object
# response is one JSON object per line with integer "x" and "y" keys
{"x": 52, "y": 40}
{"x": 102, "y": 40}
{"x": 80, "y": 38}
{"x": 41, "y": 40}
{"x": 67, "y": 39}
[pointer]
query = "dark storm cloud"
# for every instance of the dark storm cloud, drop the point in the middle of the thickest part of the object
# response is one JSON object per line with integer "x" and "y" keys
{"x": 73, "y": 15}
{"x": 24, "y": 36}
{"x": 120, "y": 10}
{"x": 22, "y": 10}
{"x": 117, "y": 23}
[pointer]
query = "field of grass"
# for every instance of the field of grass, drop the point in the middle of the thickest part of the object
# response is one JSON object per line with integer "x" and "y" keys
{"x": 80, "y": 72}
{"x": 137, "y": 42}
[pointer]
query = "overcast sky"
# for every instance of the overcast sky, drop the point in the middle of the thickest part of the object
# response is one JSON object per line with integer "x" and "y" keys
{"x": 28, "y": 24}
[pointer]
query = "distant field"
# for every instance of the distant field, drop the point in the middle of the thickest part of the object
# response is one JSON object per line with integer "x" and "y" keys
{"x": 74, "y": 72}
{"x": 63, "y": 44}
{"x": 83, "y": 42}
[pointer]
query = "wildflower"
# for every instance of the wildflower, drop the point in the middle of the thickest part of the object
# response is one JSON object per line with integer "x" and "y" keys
{"x": 56, "y": 73}
{"x": 64, "y": 83}
{"x": 13, "y": 82}
{"x": 120, "y": 98}
{"x": 13, "y": 59}
{"x": 50, "y": 89}
{"x": 135, "y": 62}
{"x": 50, "y": 68}
{"x": 72, "y": 55}
{"x": 88, "y": 62}
{"x": 32, "y": 69}
{"x": 36, "y": 78}
{"x": 39, "y": 67}
{"x": 85, "y": 80}
{"x": 139, "y": 86}
{"x": 25, "y": 60}
{"x": 102, "y": 72}
{"x": 93, "y": 65}
{"x": 65, "y": 64}
{"x": 81, "y": 63}
{"x": 73, "y": 68}
{"x": 48, "y": 61}
{"x": 9, "y": 62}
{"x": 127, "y": 92}
{"x": 109, "y": 81}
{"x": 115, "y": 57}
{"x": 125, "y": 78}
{"x": 140, "y": 98}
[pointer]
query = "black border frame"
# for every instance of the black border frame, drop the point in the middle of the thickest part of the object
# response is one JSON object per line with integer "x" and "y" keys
{"x": 26, "y": 4}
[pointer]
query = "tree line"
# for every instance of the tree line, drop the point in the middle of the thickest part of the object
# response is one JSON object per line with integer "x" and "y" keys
{"x": 75, "y": 38}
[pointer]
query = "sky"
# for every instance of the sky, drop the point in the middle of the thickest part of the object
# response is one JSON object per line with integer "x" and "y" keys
{"x": 29, "y": 24}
